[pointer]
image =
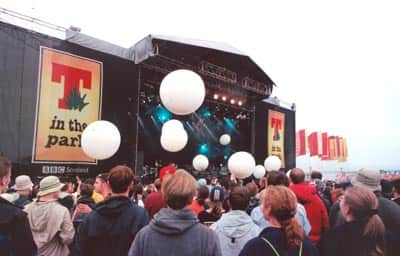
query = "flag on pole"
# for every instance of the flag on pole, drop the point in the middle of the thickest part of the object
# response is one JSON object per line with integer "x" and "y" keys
{"x": 325, "y": 146}
{"x": 313, "y": 144}
{"x": 301, "y": 142}
{"x": 332, "y": 148}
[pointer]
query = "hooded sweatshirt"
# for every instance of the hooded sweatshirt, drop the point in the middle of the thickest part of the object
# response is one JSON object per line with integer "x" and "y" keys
{"x": 51, "y": 227}
{"x": 234, "y": 229}
{"x": 175, "y": 232}
{"x": 315, "y": 208}
{"x": 110, "y": 228}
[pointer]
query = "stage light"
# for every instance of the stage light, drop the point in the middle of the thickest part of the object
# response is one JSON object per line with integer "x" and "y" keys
{"x": 204, "y": 149}
{"x": 162, "y": 114}
{"x": 233, "y": 101}
{"x": 216, "y": 97}
{"x": 223, "y": 98}
{"x": 240, "y": 103}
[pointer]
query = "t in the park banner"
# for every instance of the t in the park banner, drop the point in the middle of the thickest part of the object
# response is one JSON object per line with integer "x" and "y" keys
{"x": 276, "y": 135}
{"x": 69, "y": 99}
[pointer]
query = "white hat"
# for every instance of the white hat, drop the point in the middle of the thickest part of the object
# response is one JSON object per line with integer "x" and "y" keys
{"x": 49, "y": 185}
{"x": 22, "y": 182}
{"x": 369, "y": 179}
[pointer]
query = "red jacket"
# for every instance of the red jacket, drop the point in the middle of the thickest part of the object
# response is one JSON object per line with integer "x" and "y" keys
{"x": 315, "y": 208}
{"x": 154, "y": 203}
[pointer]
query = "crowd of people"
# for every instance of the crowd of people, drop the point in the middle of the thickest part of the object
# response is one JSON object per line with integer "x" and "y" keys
{"x": 280, "y": 214}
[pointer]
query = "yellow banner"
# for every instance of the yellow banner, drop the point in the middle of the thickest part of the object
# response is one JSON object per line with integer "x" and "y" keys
{"x": 69, "y": 99}
{"x": 276, "y": 135}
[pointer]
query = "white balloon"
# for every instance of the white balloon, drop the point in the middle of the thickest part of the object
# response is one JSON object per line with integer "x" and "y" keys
{"x": 259, "y": 171}
{"x": 173, "y": 139}
{"x": 272, "y": 163}
{"x": 101, "y": 140}
{"x": 182, "y": 92}
{"x": 200, "y": 162}
{"x": 225, "y": 139}
{"x": 173, "y": 123}
{"x": 241, "y": 164}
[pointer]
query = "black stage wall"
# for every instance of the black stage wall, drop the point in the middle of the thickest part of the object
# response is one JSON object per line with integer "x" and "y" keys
{"x": 19, "y": 64}
{"x": 260, "y": 134}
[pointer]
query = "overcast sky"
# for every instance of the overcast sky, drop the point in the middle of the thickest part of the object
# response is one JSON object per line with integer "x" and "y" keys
{"x": 339, "y": 61}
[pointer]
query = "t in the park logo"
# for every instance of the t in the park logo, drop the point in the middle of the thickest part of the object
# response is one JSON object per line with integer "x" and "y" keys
{"x": 69, "y": 99}
{"x": 72, "y": 98}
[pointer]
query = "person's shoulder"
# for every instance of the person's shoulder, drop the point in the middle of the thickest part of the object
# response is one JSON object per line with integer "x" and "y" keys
{"x": 388, "y": 203}
{"x": 255, "y": 245}
{"x": 309, "y": 246}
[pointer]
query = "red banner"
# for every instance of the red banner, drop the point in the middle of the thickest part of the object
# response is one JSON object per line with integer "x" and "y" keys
{"x": 301, "y": 142}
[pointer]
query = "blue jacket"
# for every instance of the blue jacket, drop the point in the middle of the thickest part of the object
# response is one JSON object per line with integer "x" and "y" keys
{"x": 276, "y": 236}
{"x": 110, "y": 228}
{"x": 301, "y": 217}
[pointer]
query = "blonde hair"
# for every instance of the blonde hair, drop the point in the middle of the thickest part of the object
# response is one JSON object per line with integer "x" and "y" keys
{"x": 179, "y": 189}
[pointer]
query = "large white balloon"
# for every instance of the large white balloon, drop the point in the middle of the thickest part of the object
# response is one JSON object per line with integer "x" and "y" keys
{"x": 225, "y": 139}
{"x": 173, "y": 124}
{"x": 101, "y": 140}
{"x": 259, "y": 171}
{"x": 200, "y": 162}
{"x": 173, "y": 139}
{"x": 182, "y": 92}
{"x": 241, "y": 164}
{"x": 272, "y": 163}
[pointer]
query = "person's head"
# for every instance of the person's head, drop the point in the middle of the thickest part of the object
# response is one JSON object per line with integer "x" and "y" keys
{"x": 120, "y": 179}
{"x": 297, "y": 176}
{"x": 100, "y": 183}
{"x": 239, "y": 198}
{"x": 276, "y": 178}
{"x": 49, "y": 188}
{"x": 157, "y": 184}
{"x": 217, "y": 194}
{"x": 252, "y": 188}
{"x": 202, "y": 195}
{"x": 396, "y": 187}
{"x": 387, "y": 188}
{"x": 262, "y": 183}
{"x": 86, "y": 190}
{"x": 89, "y": 181}
{"x": 5, "y": 173}
{"x": 369, "y": 179}
{"x": 179, "y": 190}
{"x": 360, "y": 204}
{"x": 138, "y": 189}
{"x": 69, "y": 186}
{"x": 23, "y": 185}
{"x": 316, "y": 175}
{"x": 279, "y": 206}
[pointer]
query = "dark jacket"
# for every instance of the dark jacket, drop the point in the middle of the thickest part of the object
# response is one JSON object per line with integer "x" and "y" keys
{"x": 15, "y": 233}
{"x": 347, "y": 240}
{"x": 388, "y": 210}
{"x": 22, "y": 201}
{"x": 67, "y": 201}
{"x": 276, "y": 236}
{"x": 78, "y": 218}
{"x": 110, "y": 228}
{"x": 315, "y": 208}
{"x": 175, "y": 233}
